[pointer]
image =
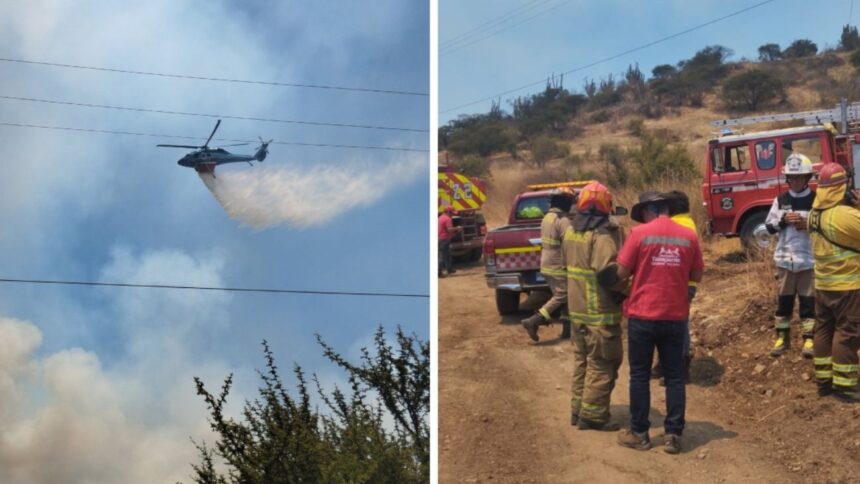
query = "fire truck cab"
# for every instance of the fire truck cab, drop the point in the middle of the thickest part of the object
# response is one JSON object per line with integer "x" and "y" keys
{"x": 743, "y": 172}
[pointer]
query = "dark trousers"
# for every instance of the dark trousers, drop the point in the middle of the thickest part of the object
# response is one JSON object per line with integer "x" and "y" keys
{"x": 444, "y": 256}
{"x": 668, "y": 337}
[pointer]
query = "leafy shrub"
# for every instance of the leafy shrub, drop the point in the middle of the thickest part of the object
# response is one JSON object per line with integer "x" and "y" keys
{"x": 656, "y": 160}
{"x": 474, "y": 165}
{"x": 544, "y": 148}
{"x": 751, "y": 89}
{"x": 800, "y": 48}
{"x": 769, "y": 52}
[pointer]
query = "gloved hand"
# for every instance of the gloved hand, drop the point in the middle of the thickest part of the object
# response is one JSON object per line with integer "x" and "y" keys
{"x": 691, "y": 293}
{"x": 608, "y": 276}
{"x": 617, "y": 297}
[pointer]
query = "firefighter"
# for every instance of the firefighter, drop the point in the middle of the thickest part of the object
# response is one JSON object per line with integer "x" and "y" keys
{"x": 793, "y": 254}
{"x": 552, "y": 229}
{"x": 446, "y": 232}
{"x": 834, "y": 226}
{"x": 590, "y": 244}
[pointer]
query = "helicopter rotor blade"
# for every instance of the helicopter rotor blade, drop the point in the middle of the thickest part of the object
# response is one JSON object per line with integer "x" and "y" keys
{"x": 237, "y": 144}
{"x": 206, "y": 144}
{"x": 178, "y": 146}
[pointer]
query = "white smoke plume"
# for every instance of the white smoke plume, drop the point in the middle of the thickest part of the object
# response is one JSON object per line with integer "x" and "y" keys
{"x": 263, "y": 197}
{"x": 68, "y": 416}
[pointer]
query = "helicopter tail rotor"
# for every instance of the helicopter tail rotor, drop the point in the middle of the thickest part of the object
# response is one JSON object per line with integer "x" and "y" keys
{"x": 261, "y": 153}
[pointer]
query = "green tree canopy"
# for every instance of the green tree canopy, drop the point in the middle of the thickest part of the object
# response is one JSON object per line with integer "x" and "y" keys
{"x": 751, "y": 89}
{"x": 769, "y": 52}
{"x": 282, "y": 438}
{"x": 800, "y": 48}
{"x": 850, "y": 39}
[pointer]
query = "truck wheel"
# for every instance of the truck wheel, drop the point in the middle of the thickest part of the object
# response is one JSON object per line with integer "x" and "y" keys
{"x": 475, "y": 254}
{"x": 507, "y": 302}
{"x": 754, "y": 236}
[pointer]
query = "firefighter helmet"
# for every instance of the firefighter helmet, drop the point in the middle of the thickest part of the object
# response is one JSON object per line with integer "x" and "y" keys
{"x": 797, "y": 164}
{"x": 594, "y": 198}
{"x": 832, "y": 174}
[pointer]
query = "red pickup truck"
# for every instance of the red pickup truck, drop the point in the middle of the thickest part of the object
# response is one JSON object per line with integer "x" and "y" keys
{"x": 512, "y": 252}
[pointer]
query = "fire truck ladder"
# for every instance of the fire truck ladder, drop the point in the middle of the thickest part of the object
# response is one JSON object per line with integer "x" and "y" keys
{"x": 843, "y": 114}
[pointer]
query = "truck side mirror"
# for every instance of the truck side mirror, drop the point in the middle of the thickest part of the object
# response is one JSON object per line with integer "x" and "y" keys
{"x": 620, "y": 211}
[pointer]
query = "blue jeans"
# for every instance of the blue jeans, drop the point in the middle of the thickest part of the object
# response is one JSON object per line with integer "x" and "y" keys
{"x": 668, "y": 337}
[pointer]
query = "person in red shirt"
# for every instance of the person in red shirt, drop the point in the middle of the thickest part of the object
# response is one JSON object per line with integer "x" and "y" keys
{"x": 663, "y": 257}
{"x": 446, "y": 231}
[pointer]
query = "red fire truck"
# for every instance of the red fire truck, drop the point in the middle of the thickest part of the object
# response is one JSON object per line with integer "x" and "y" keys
{"x": 743, "y": 172}
{"x": 467, "y": 195}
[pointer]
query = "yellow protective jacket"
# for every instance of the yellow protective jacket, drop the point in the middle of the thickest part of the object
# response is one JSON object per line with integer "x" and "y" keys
{"x": 585, "y": 254}
{"x": 685, "y": 220}
{"x": 552, "y": 229}
{"x": 836, "y": 268}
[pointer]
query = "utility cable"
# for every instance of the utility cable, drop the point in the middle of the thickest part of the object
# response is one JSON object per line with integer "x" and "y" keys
{"x": 295, "y": 143}
{"x": 216, "y": 116}
{"x": 607, "y": 59}
{"x": 215, "y": 79}
{"x": 205, "y": 288}
{"x": 491, "y": 23}
{"x": 507, "y": 27}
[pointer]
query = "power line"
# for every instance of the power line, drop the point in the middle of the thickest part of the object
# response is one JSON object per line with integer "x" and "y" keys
{"x": 215, "y": 79}
{"x": 507, "y": 27}
{"x": 607, "y": 59}
{"x": 129, "y": 133}
{"x": 216, "y": 116}
{"x": 490, "y": 23}
{"x": 205, "y": 288}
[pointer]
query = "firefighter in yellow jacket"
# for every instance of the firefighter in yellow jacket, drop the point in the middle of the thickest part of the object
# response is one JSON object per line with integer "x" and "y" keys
{"x": 589, "y": 245}
{"x": 552, "y": 229}
{"x": 834, "y": 227}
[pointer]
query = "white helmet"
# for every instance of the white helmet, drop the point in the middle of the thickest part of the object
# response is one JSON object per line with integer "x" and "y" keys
{"x": 797, "y": 164}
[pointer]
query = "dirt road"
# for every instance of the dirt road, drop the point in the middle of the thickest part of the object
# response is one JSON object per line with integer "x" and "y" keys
{"x": 504, "y": 409}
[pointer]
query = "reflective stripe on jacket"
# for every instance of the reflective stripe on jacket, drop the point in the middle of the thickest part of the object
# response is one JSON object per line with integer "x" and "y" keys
{"x": 585, "y": 254}
{"x": 836, "y": 268}
{"x": 552, "y": 229}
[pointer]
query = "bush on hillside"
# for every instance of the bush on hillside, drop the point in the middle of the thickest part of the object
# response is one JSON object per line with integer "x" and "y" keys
{"x": 545, "y": 148}
{"x": 616, "y": 174}
{"x": 850, "y": 39}
{"x": 480, "y": 134}
{"x": 656, "y": 160}
{"x": 549, "y": 111}
{"x": 609, "y": 92}
{"x": 769, "y": 52}
{"x": 474, "y": 165}
{"x": 800, "y": 48}
{"x": 752, "y": 89}
{"x": 855, "y": 58}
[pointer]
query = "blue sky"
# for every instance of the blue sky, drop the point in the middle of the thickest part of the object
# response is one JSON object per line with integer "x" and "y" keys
{"x": 575, "y": 33}
{"x": 95, "y": 383}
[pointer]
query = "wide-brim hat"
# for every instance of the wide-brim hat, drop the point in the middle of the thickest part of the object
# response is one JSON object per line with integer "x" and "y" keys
{"x": 637, "y": 212}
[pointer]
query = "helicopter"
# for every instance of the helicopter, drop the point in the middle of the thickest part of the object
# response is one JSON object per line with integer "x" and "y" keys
{"x": 204, "y": 159}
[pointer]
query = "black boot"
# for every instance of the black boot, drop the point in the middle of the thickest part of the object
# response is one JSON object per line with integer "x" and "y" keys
{"x": 847, "y": 395}
{"x": 565, "y": 329}
{"x": 825, "y": 388}
{"x": 531, "y": 324}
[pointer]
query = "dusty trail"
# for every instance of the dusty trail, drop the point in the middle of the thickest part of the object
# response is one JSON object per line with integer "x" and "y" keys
{"x": 504, "y": 410}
